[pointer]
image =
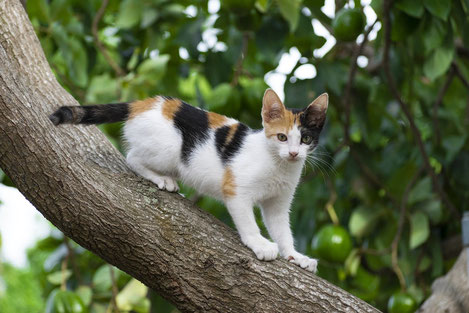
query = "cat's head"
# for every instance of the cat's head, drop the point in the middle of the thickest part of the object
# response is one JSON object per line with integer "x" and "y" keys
{"x": 292, "y": 133}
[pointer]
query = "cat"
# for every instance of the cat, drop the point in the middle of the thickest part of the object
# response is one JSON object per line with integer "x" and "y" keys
{"x": 169, "y": 139}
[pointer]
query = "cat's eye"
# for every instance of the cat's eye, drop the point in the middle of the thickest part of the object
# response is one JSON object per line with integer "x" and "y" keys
{"x": 306, "y": 139}
{"x": 282, "y": 137}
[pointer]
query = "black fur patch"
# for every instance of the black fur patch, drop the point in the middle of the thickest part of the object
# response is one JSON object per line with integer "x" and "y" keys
{"x": 107, "y": 113}
{"x": 313, "y": 130}
{"x": 91, "y": 114}
{"x": 227, "y": 150}
{"x": 62, "y": 115}
{"x": 193, "y": 124}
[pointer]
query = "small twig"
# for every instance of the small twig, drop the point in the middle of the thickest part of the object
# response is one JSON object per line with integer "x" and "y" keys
{"x": 462, "y": 51}
{"x": 330, "y": 203}
{"x": 239, "y": 64}
{"x": 94, "y": 30}
{"x": 115, "y": 290}
{"x": 405, "y": 108}
{"x": 438, "y": 102}
{"x": 400, "y": 227}
{"x": 351, "y": 77}
{"x": 374, "y": 251}
{"x": 460, "y": 75}
{"x": 71, "y": 254}
{"x": 63, "y": 284}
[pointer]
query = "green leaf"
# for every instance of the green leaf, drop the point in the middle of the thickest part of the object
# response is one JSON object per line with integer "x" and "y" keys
{"x": 363, "y": 221}
{"x": 352, "y": 262}
{"x": 262, "y": 5}
{"x": 133, "y": 297}
{"x": 129, "y": 14}
{"x": 56, "y": 278}
{"x": 439, "y": 8}
{"x": 452, "y": 145}
{"x": 438, "y": 63}
{"x": 155, "y": 68}
{"x": 433, "y": 210}
{"x": 102, "y": 278}
{"x": 290, "y": 10}
{"x": 419, "y": 229}
{"x": 85, "y": 293}
{"x": 421, "y": 191}
{"x": 102, "y": 89}
{"x": 38, "y": 9}
{"x": 411, "y": 7}
{"x": 148, "y": 17}
{"x": 434, "y": 34}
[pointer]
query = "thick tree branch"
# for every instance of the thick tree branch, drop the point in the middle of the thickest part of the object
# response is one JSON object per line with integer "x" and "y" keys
{"x": 449, "y": 293}
{"x": 79, "y": 182}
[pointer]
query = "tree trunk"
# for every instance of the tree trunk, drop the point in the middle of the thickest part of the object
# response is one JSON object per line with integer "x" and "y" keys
{"x": 80, "y": 182}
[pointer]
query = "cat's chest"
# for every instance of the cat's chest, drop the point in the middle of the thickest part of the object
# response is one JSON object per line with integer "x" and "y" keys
{"x": 275, "y": 182}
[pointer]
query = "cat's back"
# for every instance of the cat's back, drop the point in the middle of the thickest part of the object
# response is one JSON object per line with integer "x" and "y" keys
{"x": 188, "y": 142}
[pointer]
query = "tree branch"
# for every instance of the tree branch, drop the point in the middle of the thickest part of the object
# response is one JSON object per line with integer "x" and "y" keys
{"x": 80, "y": 182}
{"x": 94, "y": 29}
{"x": 405, "y": 108}
{"x": 351, "y": 77}
{"x": 437, "y": 103}
{"x": 449, "y": 293}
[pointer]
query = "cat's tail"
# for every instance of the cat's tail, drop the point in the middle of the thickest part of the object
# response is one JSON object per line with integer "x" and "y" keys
{"x": 91, "y": 114}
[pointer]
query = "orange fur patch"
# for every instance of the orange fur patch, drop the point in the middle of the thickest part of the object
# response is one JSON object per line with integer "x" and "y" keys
{"x": 138, "y": 107}
{"x": 282, "y": 125}
{"x": 170, "y": 107}
{"x": 215, "y": 120}
{"x": 228, "y": 184}
{"x": 231, "y": 133}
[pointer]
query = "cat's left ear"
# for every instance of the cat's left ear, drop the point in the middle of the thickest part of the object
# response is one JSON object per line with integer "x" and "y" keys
{"x": 316, "y": 111}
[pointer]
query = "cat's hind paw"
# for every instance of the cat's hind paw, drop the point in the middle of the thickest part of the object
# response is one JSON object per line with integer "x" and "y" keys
{"x": 303, "y": 261}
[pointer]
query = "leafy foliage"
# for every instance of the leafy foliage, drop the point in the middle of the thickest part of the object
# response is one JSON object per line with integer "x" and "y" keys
{"x": 372, "y": 181}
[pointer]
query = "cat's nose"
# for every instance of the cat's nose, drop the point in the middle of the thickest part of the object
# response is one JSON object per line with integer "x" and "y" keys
{"x": 293, "y": 154}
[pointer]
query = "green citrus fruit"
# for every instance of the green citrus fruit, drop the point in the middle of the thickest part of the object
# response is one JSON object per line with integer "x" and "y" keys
{"x": 348, "y": 24}
{"x": 332, "y": 243}
{"x": 401, "y": 302}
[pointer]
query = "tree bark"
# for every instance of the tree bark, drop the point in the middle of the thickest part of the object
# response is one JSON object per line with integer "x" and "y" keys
{"x": 450, "y": 292}
{"x": 80, "y": 182}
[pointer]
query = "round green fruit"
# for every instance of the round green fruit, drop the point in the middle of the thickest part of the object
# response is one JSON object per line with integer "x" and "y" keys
{"x": 348, "y": 24}
{"x": 401, "y": 302}
{"x": 332, "y": 243}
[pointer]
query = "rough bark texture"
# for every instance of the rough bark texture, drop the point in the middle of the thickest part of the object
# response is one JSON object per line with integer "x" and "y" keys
{"x": 450, "y": 292}
{"x": 79, "y": 182}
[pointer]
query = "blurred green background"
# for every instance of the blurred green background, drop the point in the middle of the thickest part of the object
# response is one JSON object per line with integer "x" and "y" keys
{"x": 367, "y": 206}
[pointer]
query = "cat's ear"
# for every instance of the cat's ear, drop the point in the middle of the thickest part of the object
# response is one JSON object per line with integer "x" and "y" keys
{"x": 272, "y": 107}
{"x": 316, "y": 111}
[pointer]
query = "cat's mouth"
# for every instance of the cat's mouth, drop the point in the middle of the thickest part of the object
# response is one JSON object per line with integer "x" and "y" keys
{"x": 293, "y": 159}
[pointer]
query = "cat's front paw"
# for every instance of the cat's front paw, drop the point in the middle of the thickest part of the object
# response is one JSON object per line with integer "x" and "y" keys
{"x": 303, "y": 261}
{"x": 263, "y": 249}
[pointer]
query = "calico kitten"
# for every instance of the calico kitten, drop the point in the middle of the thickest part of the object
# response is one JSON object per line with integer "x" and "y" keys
{"x": 169, "y": 139}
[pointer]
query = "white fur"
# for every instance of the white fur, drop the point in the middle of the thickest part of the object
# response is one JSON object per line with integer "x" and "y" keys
{"x": 265, "y": 175}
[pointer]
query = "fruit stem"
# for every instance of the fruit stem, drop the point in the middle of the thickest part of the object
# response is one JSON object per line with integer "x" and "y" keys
{"x": 332, "y": 214}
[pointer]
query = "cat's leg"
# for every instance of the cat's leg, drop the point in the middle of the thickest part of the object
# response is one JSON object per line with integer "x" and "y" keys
{"x": 276, "y": 215}
{"x": 163, "y": 182}
{"x": 241, "y": 212}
